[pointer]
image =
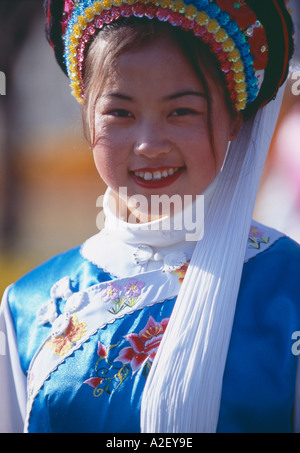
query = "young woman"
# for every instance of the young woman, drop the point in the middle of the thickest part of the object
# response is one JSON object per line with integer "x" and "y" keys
{"x": 160, "y": 323}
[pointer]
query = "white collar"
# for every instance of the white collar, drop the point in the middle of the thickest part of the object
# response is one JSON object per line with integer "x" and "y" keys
{"x": 131, "y": 249}
{"x": 124, "y": 249}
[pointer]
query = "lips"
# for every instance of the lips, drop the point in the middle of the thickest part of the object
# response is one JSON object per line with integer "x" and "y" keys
{"x": 156, "y": 177}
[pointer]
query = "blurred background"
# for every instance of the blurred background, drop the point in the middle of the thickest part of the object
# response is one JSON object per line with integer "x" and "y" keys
{"x": 48, "y": 182}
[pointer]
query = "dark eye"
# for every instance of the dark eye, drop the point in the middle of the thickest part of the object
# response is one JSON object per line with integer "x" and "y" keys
{"x": 120, "y": 113}
{"x": 183, "y": 112}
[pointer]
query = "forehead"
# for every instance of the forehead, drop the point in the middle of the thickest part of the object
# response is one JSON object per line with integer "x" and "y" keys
{"x": 158, "y": 65}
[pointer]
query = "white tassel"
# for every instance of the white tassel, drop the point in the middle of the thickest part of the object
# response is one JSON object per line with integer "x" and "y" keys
{"x": 183, "y": 390}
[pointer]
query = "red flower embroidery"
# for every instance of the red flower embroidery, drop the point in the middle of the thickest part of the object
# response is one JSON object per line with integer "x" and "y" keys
{"x": 101, "y": 351}
{"x": 94, "y": 382}
{"x": 144, "y": 345}
{"x": 181, "y": 273}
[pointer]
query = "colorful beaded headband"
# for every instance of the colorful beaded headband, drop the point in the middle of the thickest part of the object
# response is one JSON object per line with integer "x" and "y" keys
{"x": 230, "y": 28}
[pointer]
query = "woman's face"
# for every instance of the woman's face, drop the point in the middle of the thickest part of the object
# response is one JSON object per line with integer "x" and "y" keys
{"x": 151, "y": 125}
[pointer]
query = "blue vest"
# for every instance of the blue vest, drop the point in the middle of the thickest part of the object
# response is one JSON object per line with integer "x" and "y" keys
{"x": 98, "y": 386}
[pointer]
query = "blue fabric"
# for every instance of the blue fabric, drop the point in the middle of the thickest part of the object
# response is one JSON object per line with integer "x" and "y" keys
{"x": 93, "y": 391}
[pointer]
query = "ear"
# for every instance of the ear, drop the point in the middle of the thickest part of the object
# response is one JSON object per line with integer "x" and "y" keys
{"x": 236, "y": 123}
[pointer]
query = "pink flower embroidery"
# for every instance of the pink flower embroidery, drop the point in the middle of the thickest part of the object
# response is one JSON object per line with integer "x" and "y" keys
{"x": 94, "y": 382}
{"x": 133, "y": 288}
{"x": 101, "y": 351}
{"x": 111, "y": 292}
{"x": 144, "y": 345}
{"x": 257, "y": 237}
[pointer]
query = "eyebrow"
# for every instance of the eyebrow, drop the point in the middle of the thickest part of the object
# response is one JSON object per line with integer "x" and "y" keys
{"x": 118, "y": 96}
{"x": 166, "y": 98}
{"x": 185, "y": 93}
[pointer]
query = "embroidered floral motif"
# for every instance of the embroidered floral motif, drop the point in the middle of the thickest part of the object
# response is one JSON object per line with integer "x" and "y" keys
{"x": 144, "y": 345}
{"x": 256, "y": 238}
{"x": 140, "y": 353}
{"x": 128, "y": 296}
{"x": 181, "y": 272}
{"x": 74, "y": 332}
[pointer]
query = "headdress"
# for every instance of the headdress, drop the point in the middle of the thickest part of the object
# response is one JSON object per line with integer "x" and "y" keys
{"x": 252, "y": 42}
{"x": 237, "y": 33}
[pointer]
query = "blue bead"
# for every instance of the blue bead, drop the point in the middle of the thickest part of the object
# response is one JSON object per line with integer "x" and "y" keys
{"x": 201, "y": 4}
{"x": 232, "y": 28}
{"x": 213, "y": 10}
{"x": 248, "y": 60}
{"x": 223, "y": 18}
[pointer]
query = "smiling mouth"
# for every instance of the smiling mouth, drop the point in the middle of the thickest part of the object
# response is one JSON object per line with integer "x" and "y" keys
{"x": 157, "y": 175}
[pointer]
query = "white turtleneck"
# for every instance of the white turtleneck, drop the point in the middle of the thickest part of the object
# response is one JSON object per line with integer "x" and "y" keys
{"x": 125, "y": 249}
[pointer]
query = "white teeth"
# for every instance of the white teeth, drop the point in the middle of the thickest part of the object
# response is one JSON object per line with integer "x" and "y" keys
{"x": 157, "y": 175}
{"x": 148, "y": 176}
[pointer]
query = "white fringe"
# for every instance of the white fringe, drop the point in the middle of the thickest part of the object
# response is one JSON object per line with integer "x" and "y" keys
{"x": 183, "y": 390}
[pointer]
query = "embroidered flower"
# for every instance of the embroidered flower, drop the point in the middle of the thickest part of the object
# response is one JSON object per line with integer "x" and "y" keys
{"x": 74, "y": 332}
{"x": 133, "y": 288}
{"x": 144, "y": 345}
{"x": 101, "y": 351}
{"x": 257, "y": 237}
{"x": 111, "y": 292}
{"x": 109, "y": 375}
{"x": 124, "y": 297}
{"x": 181, "y": 272}
{"x": 94, "y": 382}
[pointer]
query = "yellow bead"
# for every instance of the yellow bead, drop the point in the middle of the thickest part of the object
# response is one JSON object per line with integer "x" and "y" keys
{"x": 191, "y": 11}
{"x": 107, "y": 4}
{"x": 77, "y": 31}
{"x": 242, "y": 97}
{"x": 97, "y": 7}
{"x": 82, "y": 21}
{"x": 241, "y": 105}
{"x": 167, "y": 3}
{"x": 72, "y": 50}
{"x": 89, "y": 14}
{"x": 241, "y": 87}
{"x": 239, "y": 77}
{"x": 213, "y": 26}
{"x": 75, "y": 85}
{"x": 73, "y": 40}
{"x": 228, "y": 45}
{"x": 73, "y": 59}
{"x": 202, "y": 18}
{"x": 238, "y": 66}
{"x": 73, "y": 69}
{"x": 234, "y": 55}
{"x": 221, "y": 35}
{"x": 178, "y": 6}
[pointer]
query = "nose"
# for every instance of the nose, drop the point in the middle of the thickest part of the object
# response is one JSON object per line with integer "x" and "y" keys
{"x": 152, "y": 142}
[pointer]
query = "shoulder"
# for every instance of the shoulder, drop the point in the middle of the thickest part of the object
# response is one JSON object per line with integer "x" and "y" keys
{"x": 272, "y": 263}
{"x": 267, "y": 243}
